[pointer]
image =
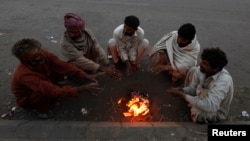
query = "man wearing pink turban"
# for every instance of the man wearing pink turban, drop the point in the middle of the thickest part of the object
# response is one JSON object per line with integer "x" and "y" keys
{"x": 79, "y": 46}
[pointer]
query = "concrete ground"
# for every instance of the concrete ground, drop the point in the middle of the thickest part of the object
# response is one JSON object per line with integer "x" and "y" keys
{"x": 223, "y": 23}
{"x": 101, "y": 131}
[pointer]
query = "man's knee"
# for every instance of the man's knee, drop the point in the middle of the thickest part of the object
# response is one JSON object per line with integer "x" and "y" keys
{"x": 143, "y": 46}
{"x": 145, "y": 43}
{"x": 111, "y": 43}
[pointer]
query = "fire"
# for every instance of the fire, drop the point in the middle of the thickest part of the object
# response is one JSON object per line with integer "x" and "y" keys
{"x": 119, "y": 101}
{"x": 138, "y": 105}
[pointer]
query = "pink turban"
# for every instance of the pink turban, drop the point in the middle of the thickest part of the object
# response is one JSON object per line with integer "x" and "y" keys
{"x": 73, "y": 21}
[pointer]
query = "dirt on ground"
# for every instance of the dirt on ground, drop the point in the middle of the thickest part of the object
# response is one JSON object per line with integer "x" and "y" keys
{"x": 105, "y": 106}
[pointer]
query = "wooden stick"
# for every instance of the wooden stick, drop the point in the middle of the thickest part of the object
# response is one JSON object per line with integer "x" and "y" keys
{"x": 112, "y": 118}
{"x": 113, "y": 105}
{"x": 161, "y": 118}
{"x": 197, "y": 132}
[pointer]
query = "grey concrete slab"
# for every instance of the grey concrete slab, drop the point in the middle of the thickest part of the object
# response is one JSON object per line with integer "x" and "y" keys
{"x": 70, "y": 130}
{"x": 104, "y": 131}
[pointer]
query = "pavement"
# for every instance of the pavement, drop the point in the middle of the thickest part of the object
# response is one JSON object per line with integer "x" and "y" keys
{"x": 223, "y": 23}
{"x": 21, "y": 130}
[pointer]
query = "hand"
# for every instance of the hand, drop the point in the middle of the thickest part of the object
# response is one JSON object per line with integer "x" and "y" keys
{"x": 136, "y": 66}
{"x": 176, "y": 92}
{"x": 129, "y": 70}
{"x": 94, "y": 88}
{"x": 92, "y": 77}
{"x": 111, "y": 71}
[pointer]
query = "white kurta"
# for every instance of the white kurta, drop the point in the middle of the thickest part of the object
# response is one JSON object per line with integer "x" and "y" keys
{"x": 209, "y": 98}
{"x": 127, "y": 45}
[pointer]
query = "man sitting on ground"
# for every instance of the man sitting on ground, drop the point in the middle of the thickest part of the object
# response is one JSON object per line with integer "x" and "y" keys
{"x": 79, "y": 46}
{"x": 176, "y": 53}
{"x": 128, "y": 44}
{"x": 209, "y": 89}
{"x": 35, "y": 80}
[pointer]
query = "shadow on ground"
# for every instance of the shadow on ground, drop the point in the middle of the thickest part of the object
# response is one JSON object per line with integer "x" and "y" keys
{"x": 104, "y": 107}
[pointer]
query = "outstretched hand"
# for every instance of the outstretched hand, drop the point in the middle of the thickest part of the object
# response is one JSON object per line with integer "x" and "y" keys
{"x": 176, "y": 92}
{"x": 113, "y": 72}
{"x": 129, "y": 69}
{"x": 93, "y": 87}
{"x": 93, "y": 77}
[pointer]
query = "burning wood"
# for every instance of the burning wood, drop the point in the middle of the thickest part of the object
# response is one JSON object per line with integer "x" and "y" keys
{"x": 138, "y": 104}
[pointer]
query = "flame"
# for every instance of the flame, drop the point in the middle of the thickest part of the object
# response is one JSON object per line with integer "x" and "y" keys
{"x": 119, "y": 101}
{"x": 137, "y": 106}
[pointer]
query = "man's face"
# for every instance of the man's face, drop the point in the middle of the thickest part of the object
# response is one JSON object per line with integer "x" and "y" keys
{"x": 74, "y": 34}
{"x": 182, "y": 42}
{"x": 206, "y": 68}
{"x": 35, "y": 57}
{"x": 128, "y": 31}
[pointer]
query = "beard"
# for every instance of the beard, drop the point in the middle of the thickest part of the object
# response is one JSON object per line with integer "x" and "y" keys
{"x": 74, "y": 38}
{"x": 202, "y": 70}
{"x": 183, "y": 45}
{"x": 128, "y": 34}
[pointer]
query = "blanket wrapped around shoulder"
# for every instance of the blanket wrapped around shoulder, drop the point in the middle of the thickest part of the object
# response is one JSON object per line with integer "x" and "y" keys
{"x": 181, "y": 59}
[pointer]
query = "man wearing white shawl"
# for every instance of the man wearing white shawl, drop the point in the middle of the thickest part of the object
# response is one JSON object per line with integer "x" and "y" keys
{"x": 176, "y": 52}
